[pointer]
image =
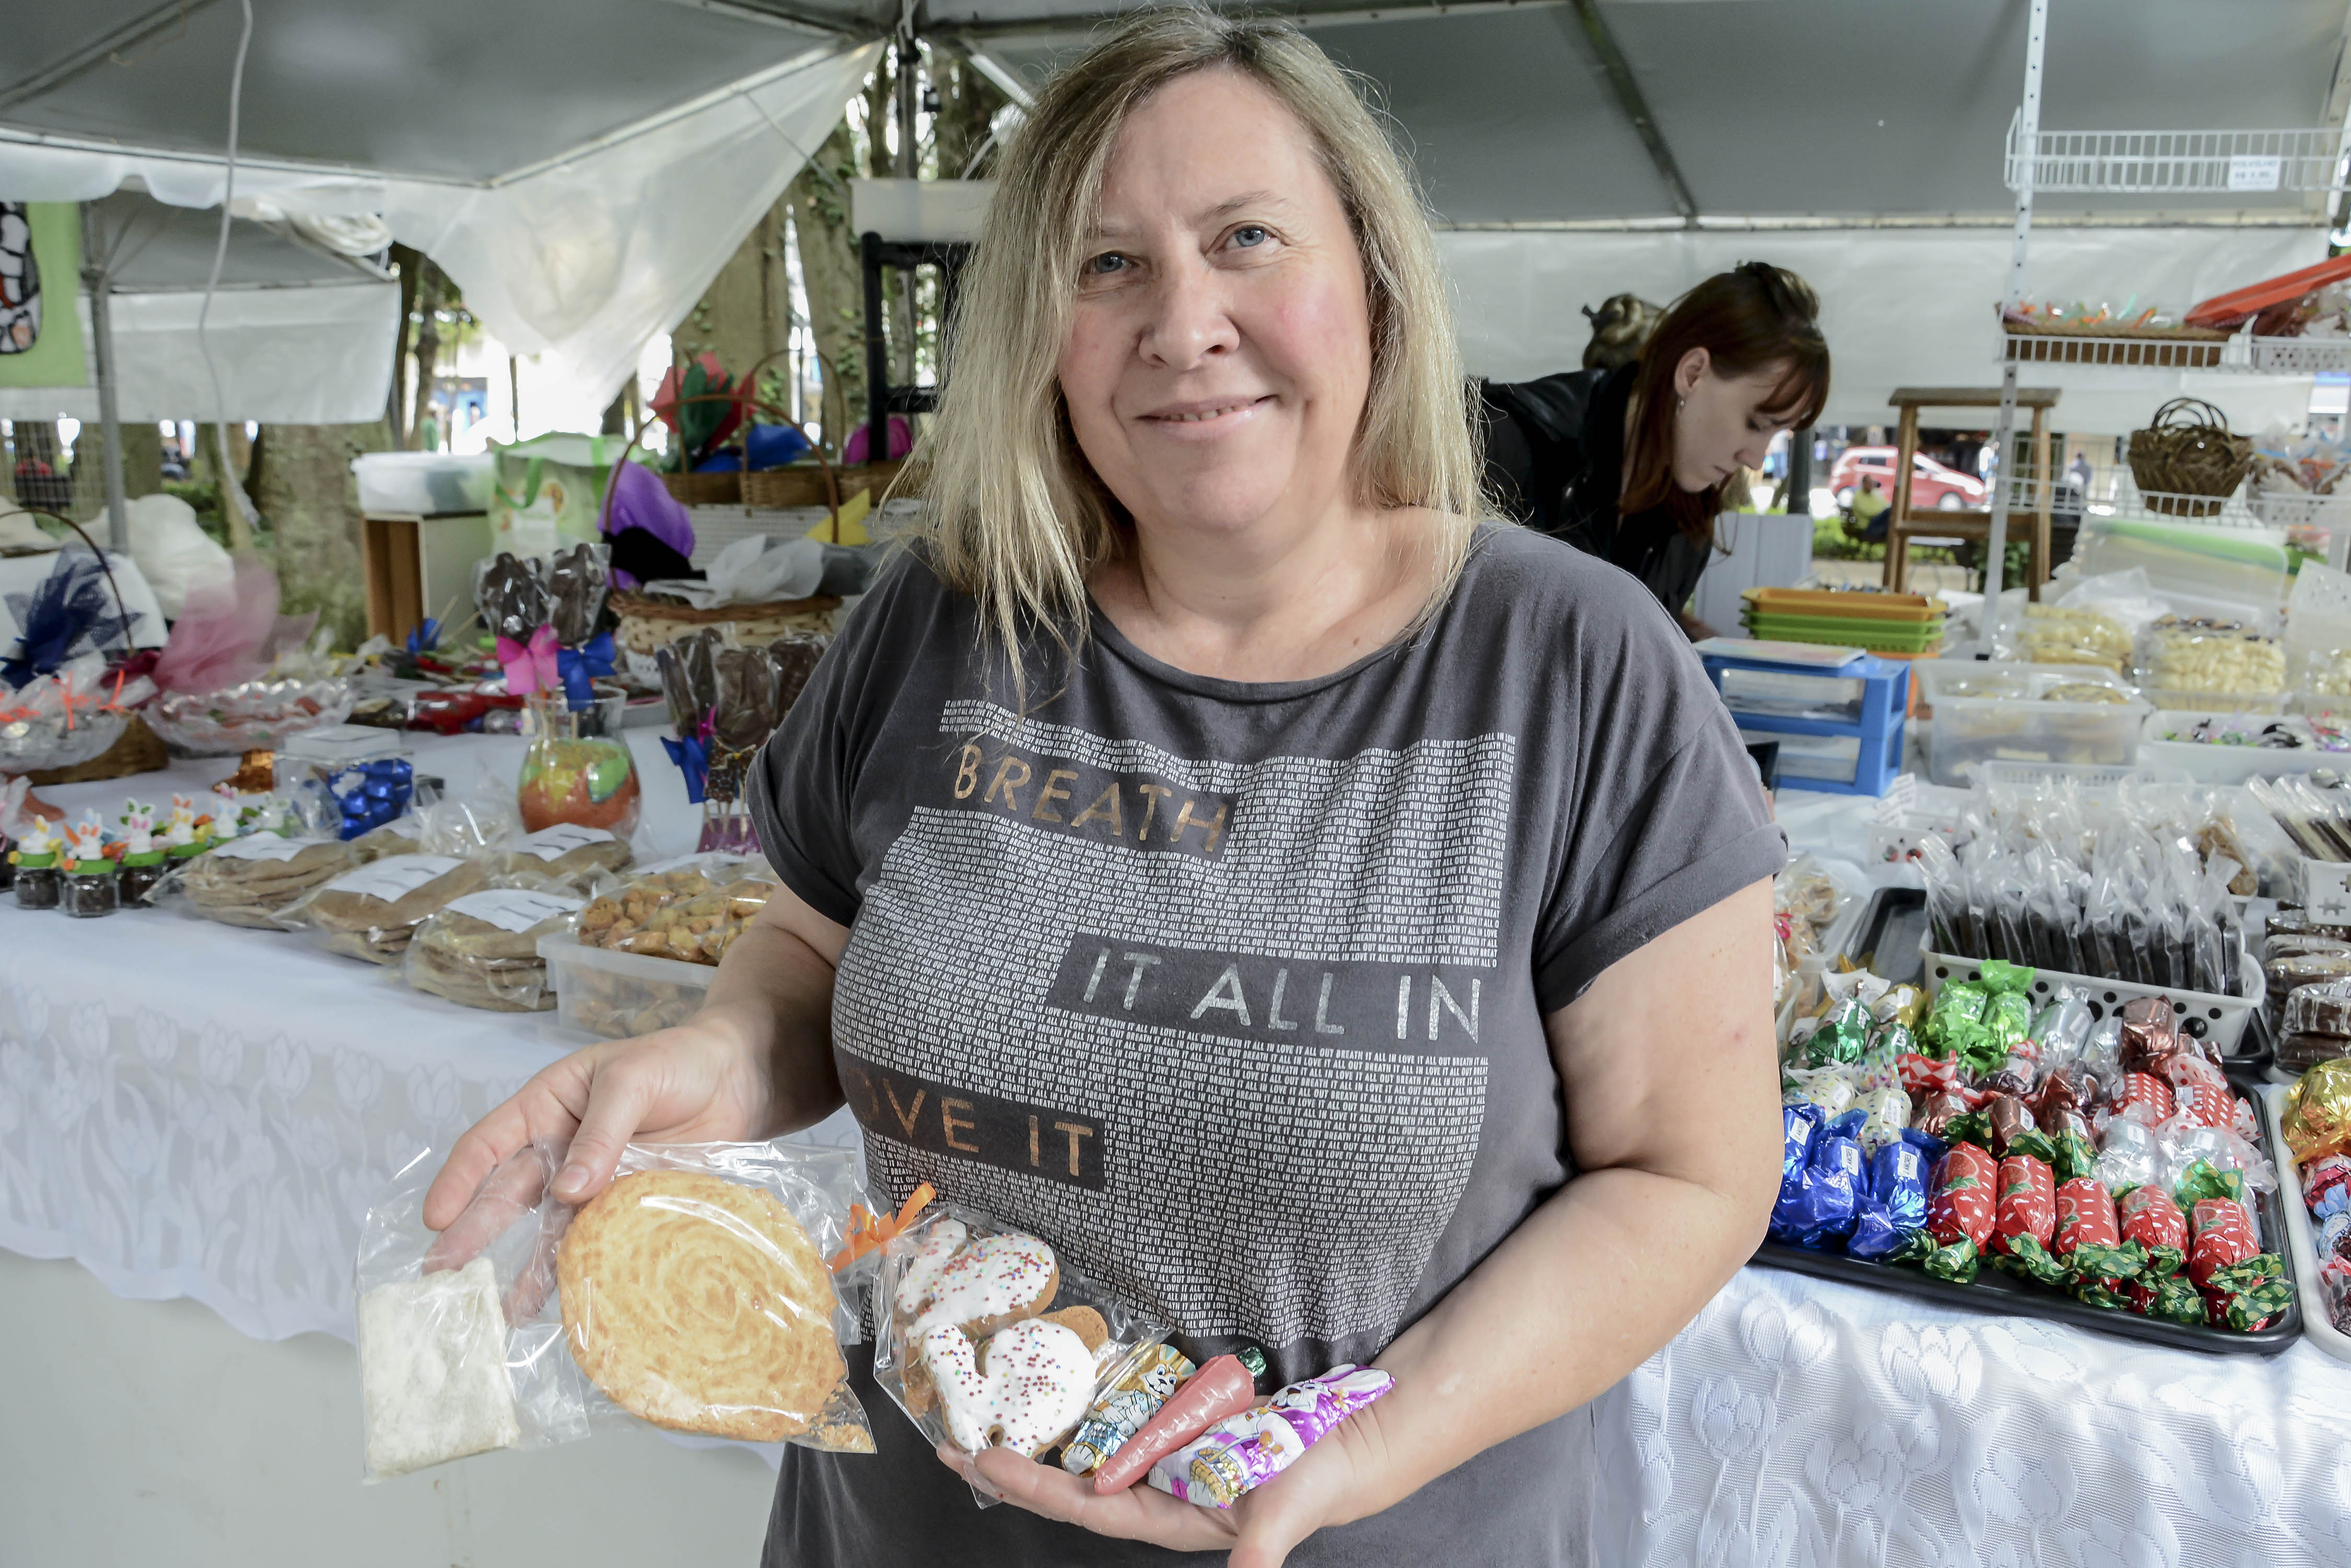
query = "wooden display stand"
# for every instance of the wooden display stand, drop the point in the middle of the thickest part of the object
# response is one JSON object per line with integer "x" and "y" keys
{"x": 1902, "y": 525}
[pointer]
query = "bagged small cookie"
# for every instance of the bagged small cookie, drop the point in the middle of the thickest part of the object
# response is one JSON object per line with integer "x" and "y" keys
{"x": 689, "y": 914}
{"x": 371, "y": 913}
{"x": 481, "y": 950}
{"x": 566, "y": 852}
{"x": 986, "y": 1338}
{"x": 252, "y": 879}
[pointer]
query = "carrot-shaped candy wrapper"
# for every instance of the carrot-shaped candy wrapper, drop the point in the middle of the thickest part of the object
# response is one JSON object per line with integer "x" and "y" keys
{"x": 1225, "y": 1386}
{"x": 868, "y": 1231}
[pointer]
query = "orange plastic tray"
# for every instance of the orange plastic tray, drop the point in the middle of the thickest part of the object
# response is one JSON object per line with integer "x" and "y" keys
{"x": 2231, "y": 309}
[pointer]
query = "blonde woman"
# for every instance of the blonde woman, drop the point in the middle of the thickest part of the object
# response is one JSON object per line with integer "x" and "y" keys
{"x": 1335, "y": 925}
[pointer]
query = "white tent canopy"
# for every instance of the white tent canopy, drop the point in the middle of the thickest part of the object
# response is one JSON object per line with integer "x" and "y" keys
{"x": 297, "y": 333}
{"x": 583, "y": 167}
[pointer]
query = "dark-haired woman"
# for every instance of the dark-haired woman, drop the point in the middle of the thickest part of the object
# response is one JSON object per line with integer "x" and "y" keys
{"x": 1629, "y": 464}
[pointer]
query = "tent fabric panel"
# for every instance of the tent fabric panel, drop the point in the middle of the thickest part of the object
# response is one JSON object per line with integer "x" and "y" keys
{"x": 1518, "y": 293}
{"x": 35, "y": 170}
{"x": 587, "y": 260}
{"x": 319, "y": 355}
{"x": 462, "y": 90}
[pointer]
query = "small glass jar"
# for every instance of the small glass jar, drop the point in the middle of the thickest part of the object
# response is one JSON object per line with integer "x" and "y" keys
{"x": 37, "y": 882}
{"x": 140, "y": 876}
{"x": 7, "y": 866}
{"x": 89, "y": 890}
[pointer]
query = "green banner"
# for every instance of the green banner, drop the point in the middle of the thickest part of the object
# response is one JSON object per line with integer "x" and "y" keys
{"x": 40, "y": 284}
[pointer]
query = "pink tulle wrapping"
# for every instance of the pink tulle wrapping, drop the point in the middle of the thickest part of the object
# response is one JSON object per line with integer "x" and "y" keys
{"x": 221, "y": 637}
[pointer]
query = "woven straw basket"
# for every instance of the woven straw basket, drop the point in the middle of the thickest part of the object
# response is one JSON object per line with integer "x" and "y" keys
{"x": 2186, "y": 462}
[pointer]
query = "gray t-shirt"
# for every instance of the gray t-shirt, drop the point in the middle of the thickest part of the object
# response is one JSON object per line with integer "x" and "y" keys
{"x": 1234, "y": 992}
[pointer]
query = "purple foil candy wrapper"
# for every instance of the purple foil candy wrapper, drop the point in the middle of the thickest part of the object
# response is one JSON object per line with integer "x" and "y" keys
{"x": 1245, "y": 1452}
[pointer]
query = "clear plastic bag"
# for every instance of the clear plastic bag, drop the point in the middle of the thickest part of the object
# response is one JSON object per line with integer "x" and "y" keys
{"x": 372, "y": 913}
{"x": 481, "y": 950}
{"x": 691, "y": 910}
{"x": 692, "y": 1292}
{"x": 567, "y": 853}
{"x": 956, "y": 1290}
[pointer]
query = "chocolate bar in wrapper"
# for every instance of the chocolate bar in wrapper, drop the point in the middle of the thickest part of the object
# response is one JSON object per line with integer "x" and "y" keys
{"x": 1119, "y": 1411}
{"x": 1245, "y": 1452}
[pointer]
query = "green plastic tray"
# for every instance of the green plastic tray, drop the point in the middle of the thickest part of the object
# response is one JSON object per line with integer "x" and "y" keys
{"x": 1898, "y": 636}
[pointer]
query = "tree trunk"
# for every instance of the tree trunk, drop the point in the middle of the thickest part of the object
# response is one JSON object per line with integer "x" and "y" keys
{"x": 429, "y": 291}
{"x": 412, "y": 265}
{"x": 745, "y": 313}
{"x": 142, "y": 465}
{"x": 303, "y": 485}
{"x": 834, "y": 278}
{"x": 969, "y": 103}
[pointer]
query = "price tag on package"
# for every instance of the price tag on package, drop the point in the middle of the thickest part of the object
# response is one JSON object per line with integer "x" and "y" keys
{"x": 553, "y": 843}
{"x": 262, "y": 847}
{"x": 2326, "y": 891}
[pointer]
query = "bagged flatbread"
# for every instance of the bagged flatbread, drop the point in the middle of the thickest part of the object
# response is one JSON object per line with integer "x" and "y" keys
{"x": 580, "y": 856}
{"x": 252, "y": 880}
{"x": 482, "y": 950}
{"x": 371, "y": 913}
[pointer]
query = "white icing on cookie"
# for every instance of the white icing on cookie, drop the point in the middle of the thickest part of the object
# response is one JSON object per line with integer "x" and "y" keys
{"x": 1039, "y": 1380}
{"x": 921, "y": 1259}
{"x": 991, "y": 1278}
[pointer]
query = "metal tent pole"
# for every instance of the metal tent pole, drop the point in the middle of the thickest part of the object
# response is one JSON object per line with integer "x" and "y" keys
{"x": 2028, "y": 147}
{"x": 100, "y": 281}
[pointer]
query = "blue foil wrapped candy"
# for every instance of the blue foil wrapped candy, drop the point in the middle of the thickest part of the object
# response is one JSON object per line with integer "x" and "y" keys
{"x": 370, "y": 794}
{"x": 1799, "y": 1124}
{"x": 1816, "y": 1203}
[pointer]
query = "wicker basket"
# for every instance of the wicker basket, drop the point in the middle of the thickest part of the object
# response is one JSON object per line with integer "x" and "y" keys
{"x": 138, "y": 751}
{"x": 648, "y": 623}
{"x": 706, "y": 489}
{"x": 2186, "y": 462}
{"x": 802, "y": 484}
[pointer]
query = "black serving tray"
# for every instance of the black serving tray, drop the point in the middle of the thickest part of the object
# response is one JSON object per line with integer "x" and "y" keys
{"x": 1996, "y": 1291}
{"x": 1889, "y": 932}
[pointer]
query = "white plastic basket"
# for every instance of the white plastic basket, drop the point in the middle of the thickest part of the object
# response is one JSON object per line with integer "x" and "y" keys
{"x": 2211, "y": 763}
{"x": 2317, "y": 1324}
{"x": 2221, "y": 1020}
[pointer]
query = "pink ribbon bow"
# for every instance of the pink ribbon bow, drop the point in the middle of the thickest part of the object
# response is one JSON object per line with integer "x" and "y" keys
{"x": 532, "y": 668}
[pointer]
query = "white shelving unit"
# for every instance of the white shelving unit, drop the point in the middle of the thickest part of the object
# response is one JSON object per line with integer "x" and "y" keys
{"x": 2170, "y": 163}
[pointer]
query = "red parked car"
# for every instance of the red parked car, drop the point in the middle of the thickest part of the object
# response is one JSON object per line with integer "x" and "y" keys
{"x": 1933, "y": 485}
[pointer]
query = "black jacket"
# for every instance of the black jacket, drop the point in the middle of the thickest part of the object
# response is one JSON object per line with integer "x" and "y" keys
{"x": 1555, "y": 458}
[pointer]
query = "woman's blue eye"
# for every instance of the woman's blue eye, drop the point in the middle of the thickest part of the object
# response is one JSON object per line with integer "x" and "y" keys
{"x": 1250, "y": 235}
{"x": 1108, "y": 261}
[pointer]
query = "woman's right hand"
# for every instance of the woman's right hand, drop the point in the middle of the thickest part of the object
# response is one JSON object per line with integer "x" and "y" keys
{"x": 702, "y": 1081}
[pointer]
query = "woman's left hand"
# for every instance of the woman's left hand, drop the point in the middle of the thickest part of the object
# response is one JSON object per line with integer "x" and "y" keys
{"x": 1343, "y": 1477}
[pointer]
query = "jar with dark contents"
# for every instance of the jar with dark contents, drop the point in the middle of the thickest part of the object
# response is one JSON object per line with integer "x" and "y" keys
{"x": 37, "y": 882}
{"x": 8, "y": 862}
{"x": 140, "y": 876}
{"x": 89, "y": 890}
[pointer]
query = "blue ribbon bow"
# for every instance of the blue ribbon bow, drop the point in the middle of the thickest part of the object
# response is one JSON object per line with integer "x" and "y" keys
{"x": 426, "y": 639}
{"x": 580, "y": 665}
{"x": 72, "y": 606}
{"x": 692, "y": 756}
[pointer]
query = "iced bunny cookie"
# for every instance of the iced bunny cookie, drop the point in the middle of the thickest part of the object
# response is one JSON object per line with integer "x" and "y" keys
{"x": 985, "y": 1284}
{"x": 1025, "y": 1389}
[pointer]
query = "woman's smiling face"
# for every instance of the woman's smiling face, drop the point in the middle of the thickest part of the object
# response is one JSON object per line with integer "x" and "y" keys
{"x": 1220, "y": 354}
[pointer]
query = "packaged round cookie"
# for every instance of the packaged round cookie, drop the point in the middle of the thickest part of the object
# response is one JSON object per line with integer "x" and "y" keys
{"x": 251, "y": 881}
{"x": 373, "y": 912}
{"x": 566, "y": 852}
{"x": 986, "y": 1337}
{"x": 693, "y": 1293}
{"x": 481, "y": 950}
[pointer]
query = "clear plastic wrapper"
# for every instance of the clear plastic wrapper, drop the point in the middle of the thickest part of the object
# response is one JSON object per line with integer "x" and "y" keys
{"x": 252, "y": 881}
{"x": 984, "y": 1337}
{"x": 692, "y": 1293}
{"x": 481, "y": 950}
{"x": 692, "y": 912}
{"x": 565, "y": 853}
{"x": 371, "y": 913}
{"x": 2199, "y": 654}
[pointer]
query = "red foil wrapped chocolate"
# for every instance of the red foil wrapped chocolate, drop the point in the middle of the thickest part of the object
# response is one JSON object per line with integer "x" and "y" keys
{"x": 2086, "y": 1216}
{"x": 2028, "y": 1202}
{"x": 1964, "y": 1202}
{"x": 2221, "y": 1233}
{"x": 2145, "y": 1089}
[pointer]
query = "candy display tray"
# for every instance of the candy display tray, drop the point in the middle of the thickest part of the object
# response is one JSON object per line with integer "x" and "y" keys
{"x": 1890, "y": 933}
{"x": 2301, "y": 1249}
{"x": 1998, "y": 1293}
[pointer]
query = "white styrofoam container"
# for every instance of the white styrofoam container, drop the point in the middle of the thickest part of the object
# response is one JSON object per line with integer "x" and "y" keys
{"x": 614, "y": 995}
{"x": 2221, "y": 1020}
{"x": 2317, "y": 1324}
{"x": 422, "y": 484}
{"x": 2207, "y": 763}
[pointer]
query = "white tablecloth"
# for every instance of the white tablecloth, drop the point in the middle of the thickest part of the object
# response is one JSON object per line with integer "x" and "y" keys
{"x": 189, "y": 1109}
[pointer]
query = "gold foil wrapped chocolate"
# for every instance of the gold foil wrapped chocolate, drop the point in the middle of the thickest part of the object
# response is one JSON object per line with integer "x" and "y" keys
{"x": 2318, "y": 1111}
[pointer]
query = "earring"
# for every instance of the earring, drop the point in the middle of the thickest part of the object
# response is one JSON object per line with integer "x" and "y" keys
{"x": 1677, "y": 404}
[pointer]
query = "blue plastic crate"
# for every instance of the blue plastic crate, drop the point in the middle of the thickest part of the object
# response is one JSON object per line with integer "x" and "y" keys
{"x": 1877, "y": 758}
{"x": 1875, "y": 724}
{"x": 1885, "y": 686}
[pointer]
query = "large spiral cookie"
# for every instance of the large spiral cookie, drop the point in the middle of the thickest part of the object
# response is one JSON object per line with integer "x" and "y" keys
{"x": 702, "y": 1305}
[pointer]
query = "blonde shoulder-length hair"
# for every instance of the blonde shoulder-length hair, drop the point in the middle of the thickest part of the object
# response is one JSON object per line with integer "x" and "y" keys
{"x": 1012, "y": 513}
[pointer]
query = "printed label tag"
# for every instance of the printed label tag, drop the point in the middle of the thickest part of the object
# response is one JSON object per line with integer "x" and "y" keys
{"x": 264, "y": 847}
{"x": 553, "y": 843}
{"x": 2326, "y": 891}
{"x": 395, "y": 877}
{"x": 2252, "y": 172}
{"x": 515, "y": 908}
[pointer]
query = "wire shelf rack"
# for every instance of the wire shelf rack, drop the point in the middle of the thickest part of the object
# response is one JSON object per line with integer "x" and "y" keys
{"x": 2175, "y": 162}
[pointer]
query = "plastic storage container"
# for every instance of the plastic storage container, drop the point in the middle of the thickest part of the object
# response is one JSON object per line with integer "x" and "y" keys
{"x": 2221, "y": 1020}
{"x": 1987, "y": 711}
{"x": 615, "y": 995}
{"x": 422, "y": 484}
{"x": 2212, "y": 762}
{"x": 1837, "y": 730}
